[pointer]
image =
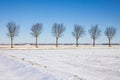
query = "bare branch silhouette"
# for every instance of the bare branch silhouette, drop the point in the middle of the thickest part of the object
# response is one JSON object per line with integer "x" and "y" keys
{"x": 110, "y": 33}
{"x": 94, "y": 33}
{"x": 36, "y": 31}
{"x": 13, "y": 31}
{"x": 78, "y": 32}
{"x": 57, "y": 31}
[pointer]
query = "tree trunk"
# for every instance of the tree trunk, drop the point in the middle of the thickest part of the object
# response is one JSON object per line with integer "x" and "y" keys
{"x": 93, "y": 42}
{"x": 76, "y": 42}
{"x": 56, "y": 42}
{"x": 109, "y": 43}
{"x": 36, "y": 42}
{"x": 11, "y": 42}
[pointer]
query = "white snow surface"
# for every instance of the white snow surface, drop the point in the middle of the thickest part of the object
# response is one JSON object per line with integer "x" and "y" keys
{"x": 60, "y": 64}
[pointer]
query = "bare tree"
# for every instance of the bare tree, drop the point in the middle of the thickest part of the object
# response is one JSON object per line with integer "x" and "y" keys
{"x": 13, "y": 31}
{"x": 95, "y": 33}
{"x": 110, "y": 32}
{"x": 36, "y": 30}
{"x": 78, "y": 31}
{"x": 57, "y": 31}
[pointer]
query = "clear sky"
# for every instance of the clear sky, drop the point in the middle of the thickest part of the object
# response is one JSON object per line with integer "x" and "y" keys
{"x": 69, "y": 12}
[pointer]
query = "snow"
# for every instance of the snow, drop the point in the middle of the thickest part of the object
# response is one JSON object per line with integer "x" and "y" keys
{"x": 60, "y": 64}
{"x": 13, "y": 70}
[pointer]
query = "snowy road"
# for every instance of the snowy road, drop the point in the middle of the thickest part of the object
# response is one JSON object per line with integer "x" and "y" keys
{"x": 68, "y": 64}
{"x": 13, "y": 70}
{"x": 5, "y": 70}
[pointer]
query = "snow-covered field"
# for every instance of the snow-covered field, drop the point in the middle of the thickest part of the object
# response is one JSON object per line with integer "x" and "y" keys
{"x": 60, "y": 64}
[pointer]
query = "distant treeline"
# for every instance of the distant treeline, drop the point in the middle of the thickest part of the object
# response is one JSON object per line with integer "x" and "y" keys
{"x": 63, "y": 44}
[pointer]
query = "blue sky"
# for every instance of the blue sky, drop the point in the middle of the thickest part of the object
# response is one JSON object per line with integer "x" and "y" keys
{"x": 69, "y": 12}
